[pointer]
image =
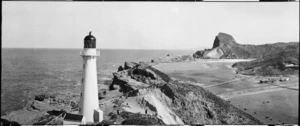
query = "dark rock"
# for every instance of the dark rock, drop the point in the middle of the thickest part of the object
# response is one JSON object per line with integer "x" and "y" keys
{"x": 152, "y": 61}
{"x": 168, "y": 90}
{"x": 145, "y": 72}
{"x": 121, "y": 80}
{"x": 74, "y": 104}
{"x": 166, "y": 78}
{"x": 130, "y": 65}
{"x": 9, "y": 123}
{"x": 42, "y": 97}
{"x": 209, "y": 113}
{"x": 120, "y": 68}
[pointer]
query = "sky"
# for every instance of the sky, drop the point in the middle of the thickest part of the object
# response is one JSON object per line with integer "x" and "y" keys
{"x": 146, "y": 25}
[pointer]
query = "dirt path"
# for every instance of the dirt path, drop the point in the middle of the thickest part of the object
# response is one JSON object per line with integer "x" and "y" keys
{"x": 228, "y": 82}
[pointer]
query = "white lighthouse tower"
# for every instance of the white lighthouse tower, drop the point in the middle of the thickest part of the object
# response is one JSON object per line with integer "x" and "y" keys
{"x": 89, "y": 104}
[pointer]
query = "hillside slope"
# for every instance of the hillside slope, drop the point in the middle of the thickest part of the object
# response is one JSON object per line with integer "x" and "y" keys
{"x": 282, "y": 62}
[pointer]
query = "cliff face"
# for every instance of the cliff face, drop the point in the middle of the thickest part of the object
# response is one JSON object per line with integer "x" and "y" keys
{"x": 232, "y": 50}
{"x": 224, "y": 40}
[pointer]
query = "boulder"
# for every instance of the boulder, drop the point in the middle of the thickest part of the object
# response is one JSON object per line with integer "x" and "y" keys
{"x": 41, "y": 97}
{"x": 120, "y": 68}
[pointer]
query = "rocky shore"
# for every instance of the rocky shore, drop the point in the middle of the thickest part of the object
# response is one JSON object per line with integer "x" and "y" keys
{"x": 40, "y": 109}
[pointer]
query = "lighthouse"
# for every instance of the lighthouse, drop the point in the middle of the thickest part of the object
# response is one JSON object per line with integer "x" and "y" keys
{"x": 89, "y": 104}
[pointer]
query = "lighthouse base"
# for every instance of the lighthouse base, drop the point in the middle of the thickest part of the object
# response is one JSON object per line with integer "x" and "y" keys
{"x": 98, "y": 115}
{"x": 75, "y": 118}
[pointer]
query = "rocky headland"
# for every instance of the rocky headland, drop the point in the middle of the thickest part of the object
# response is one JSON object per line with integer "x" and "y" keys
{"x": 225, "y": 47}
{"x": 270, "y": 59}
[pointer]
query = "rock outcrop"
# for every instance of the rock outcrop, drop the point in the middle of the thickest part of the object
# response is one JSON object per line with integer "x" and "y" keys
{"x": 137, "y": 76}
{"x": 170, "y": 58}
{"x": 129, "y": 65}
{"x": 38, "y": 109}
{"x": 225, "y": 47}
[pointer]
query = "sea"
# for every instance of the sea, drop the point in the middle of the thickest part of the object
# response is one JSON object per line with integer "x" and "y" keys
{"x": 27, "y": 72}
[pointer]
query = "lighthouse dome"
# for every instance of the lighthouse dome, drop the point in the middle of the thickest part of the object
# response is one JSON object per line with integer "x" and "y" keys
{"x": 89, "y": 41}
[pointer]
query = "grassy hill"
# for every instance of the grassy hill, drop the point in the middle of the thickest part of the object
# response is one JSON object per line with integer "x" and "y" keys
{"x": 275, "y": 63}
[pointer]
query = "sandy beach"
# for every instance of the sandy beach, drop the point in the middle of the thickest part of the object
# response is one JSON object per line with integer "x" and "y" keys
{"x": 274, "y": 103}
